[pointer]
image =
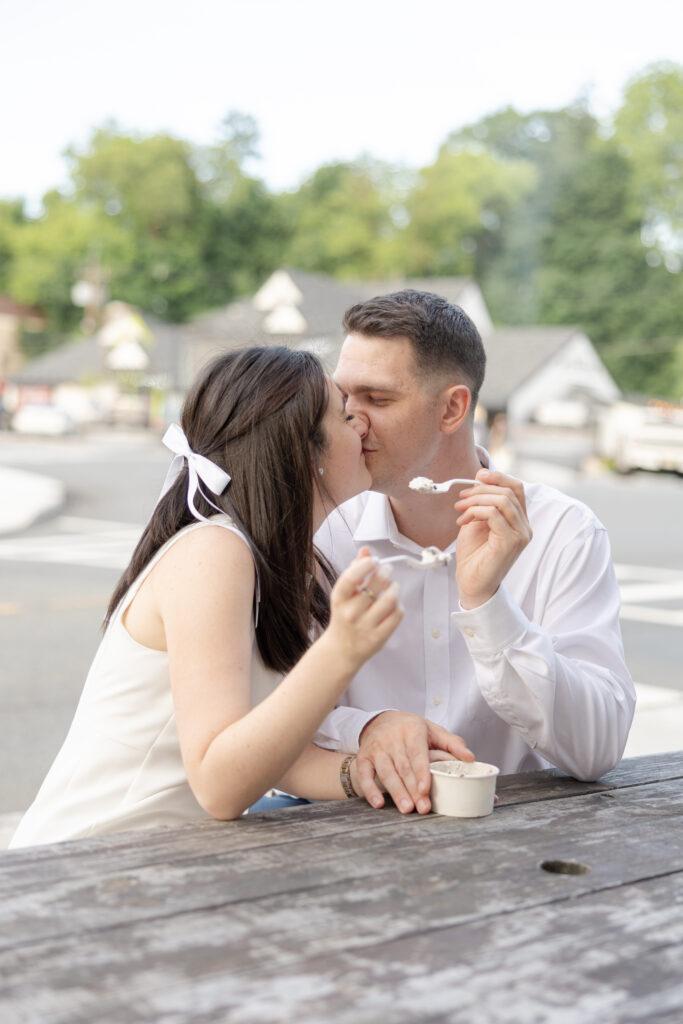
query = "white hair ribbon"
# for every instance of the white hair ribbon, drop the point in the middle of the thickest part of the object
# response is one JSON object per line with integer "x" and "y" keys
{"x": 198, "y": 467}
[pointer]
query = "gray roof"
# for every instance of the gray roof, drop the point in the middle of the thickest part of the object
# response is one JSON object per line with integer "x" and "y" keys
{"x": 84, "y": 359}
{"x": 513, "y": 354}
{"x": 325, "y": 300}
{"x": 324, "y": 303}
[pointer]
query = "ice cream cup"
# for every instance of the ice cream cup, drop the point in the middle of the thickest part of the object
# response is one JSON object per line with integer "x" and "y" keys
{"x": 463, "y": 789}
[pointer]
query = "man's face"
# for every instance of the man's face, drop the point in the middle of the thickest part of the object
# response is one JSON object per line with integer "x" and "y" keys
{"x": 378, "y": 376}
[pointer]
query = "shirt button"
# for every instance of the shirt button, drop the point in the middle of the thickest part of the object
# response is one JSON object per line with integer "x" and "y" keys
{"x": 436, "y": 701}
{"x": 436, "y": 633}
{"x": 469, "y": 632}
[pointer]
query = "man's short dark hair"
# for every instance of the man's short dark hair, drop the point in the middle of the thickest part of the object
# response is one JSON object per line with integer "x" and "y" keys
{"x": 443, "y": 337}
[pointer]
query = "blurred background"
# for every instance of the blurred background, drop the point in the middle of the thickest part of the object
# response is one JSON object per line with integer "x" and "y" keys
{"x": 176, "y": 181}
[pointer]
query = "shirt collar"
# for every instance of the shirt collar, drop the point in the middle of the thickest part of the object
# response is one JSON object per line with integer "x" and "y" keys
{"x": 377, "y": 521}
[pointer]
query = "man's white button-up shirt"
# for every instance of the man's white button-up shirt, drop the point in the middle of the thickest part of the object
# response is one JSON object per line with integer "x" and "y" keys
{"x": 534, "y": 677}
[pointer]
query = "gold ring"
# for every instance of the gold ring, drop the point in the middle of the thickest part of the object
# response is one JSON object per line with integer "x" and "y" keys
{"x": 366, "y": 590}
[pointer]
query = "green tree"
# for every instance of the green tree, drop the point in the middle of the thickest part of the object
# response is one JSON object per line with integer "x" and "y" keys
{"x": 553, "y": 143}
{"x": 245, "y": 226}
{"x": 595, "y": 273}
{"x": 148, "y": 188}
{"x": 11, "y": 218}
{"x": 458, "y": 208}
{"x": 649, "y": 132}
{"x": 49, "y": 252}
{"x": 341, "y": 219}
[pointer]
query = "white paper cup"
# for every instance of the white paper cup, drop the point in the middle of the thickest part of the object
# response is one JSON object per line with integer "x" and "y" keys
{"x": 463, "y": 789}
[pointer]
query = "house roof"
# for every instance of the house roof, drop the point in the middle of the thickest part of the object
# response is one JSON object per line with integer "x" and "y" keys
{"x": 322, "y": 304}
{"x": 84, "y": 359}
{"x": 302, "y": 310}
{"x": 513, "y": 354}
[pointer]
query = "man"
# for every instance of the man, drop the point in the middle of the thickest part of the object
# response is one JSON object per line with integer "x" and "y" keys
{"x": 519, "y": 650}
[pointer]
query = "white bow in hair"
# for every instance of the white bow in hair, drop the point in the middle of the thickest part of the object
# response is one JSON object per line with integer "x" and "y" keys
{"x": 199, "y": 468}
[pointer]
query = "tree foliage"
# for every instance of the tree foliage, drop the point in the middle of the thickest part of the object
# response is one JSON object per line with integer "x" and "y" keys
{"x": 340, "y": 220}
{"x": 649, "y": 131}
{"x": 561, "y": 219}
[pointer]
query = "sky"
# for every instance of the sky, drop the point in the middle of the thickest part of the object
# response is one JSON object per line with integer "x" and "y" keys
{"x": 324, "y": 80}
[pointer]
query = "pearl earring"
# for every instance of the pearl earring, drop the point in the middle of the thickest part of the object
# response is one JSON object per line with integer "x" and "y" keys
{"x": 321, "y": 470}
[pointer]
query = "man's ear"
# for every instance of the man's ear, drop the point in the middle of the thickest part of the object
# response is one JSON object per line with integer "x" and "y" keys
{"x": 455, "y": 405}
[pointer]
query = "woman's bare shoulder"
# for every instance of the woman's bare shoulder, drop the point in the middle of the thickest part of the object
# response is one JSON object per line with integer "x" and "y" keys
{"x": 210, "y": 548}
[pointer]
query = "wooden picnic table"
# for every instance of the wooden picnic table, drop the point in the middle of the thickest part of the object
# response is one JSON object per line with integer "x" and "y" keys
{"x": 339, "y": 913}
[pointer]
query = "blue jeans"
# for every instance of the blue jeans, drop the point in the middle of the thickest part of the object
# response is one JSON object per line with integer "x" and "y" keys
{"x": 274, "y": 803}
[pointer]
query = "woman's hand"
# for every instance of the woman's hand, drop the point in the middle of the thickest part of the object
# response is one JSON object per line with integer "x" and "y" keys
{"x": 365, "y": 610}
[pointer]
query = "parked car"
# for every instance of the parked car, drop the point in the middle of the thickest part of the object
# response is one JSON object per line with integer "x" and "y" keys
{"x": 45, "y": 419}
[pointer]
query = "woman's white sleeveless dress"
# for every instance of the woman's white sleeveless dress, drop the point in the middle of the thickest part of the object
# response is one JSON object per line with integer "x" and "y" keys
{"x": 120, "y": 766}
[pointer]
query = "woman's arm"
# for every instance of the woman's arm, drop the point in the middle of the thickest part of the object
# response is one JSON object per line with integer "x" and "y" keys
{"x": 204, "y": 592}
{"x": 315, "y": 775}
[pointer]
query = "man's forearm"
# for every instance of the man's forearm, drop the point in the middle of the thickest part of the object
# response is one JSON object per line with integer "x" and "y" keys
{"x": 341, "y": 729}
{"x": 567, "y": 693}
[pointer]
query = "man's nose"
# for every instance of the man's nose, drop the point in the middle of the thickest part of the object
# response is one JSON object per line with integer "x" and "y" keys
{"x": 360, "y": 421}
{"x": 359, "y": 425}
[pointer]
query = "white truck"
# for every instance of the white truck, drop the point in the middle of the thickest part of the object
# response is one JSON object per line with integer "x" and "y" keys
{"x": 646, "y": 436}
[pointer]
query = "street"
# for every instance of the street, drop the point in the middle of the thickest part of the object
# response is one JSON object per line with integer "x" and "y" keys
{"x": 57, "y": 576}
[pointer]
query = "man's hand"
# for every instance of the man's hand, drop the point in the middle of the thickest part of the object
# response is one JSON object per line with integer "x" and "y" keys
{"x": 494, "y": 530}
{"x": 396, "y": 748}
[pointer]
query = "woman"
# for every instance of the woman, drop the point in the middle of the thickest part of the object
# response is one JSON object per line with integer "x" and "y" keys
{"x": 182, "y": 715}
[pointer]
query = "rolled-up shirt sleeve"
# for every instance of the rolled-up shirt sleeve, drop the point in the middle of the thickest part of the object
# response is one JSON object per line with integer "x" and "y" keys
{"x": 560, "y": 681}
{"x": 342, "y": 728}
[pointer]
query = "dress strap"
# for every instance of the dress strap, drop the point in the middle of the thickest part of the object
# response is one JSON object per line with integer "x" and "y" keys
{"x": 219, "y": 520}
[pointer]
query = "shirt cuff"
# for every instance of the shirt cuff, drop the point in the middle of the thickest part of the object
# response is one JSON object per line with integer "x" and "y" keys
{"x": 342, "y": 728}
{"x": 491, "y": 627}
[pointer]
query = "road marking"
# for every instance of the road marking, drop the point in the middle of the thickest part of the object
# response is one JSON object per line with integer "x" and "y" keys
{"x": 633, "y": 592}
{"x": 657, "y": 616}
{"x": 109, "y": 549}
{"x": 652, "y": 584}
{"x": 79, "y": 524}
{"x": 105, "y": 544}
{"x": 658, "y": 721}
{"x": 645, "y": 572}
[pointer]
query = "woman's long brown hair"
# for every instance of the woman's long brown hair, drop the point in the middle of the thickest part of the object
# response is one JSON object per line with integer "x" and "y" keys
{"x": 257, "y": 413}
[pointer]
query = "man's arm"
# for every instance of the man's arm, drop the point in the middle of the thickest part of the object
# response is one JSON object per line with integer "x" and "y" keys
{"x": 559, "y": 681}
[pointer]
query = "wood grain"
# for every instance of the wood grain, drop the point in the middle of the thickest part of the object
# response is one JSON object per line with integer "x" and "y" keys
{"x": 339, "y": 913}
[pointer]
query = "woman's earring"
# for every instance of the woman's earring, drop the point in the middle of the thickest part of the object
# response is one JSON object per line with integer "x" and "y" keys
{"x": 321, "y": 470}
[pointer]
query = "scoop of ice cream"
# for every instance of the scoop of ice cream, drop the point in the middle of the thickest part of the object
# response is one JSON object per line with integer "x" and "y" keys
{"x": 432, "y": 558}
{"x": 464, "y": 769}
{"x": 422, "y": 484}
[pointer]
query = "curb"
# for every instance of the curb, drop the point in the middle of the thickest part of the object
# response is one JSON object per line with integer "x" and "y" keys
{"x": 27, "y": 497}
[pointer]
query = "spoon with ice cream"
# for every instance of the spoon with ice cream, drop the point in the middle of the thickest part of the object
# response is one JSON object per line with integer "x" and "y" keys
{"x": 423, "y": 485}
{"x": 430, "y": 558}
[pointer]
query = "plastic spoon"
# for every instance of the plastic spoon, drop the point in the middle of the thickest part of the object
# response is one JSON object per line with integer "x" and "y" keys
{"x": 423, "y": 485}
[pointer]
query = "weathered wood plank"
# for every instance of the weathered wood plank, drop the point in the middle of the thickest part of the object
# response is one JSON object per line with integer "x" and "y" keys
{"x": 594, "y": 824}
{"x": 612, "y": 956}
{"x": 553, "y": 784}
{"x": 237, "y": 913}
{"x": 40, "y": 866}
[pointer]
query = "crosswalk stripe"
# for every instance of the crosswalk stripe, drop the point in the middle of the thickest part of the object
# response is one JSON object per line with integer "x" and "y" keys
{"x": 109, "y": 545}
